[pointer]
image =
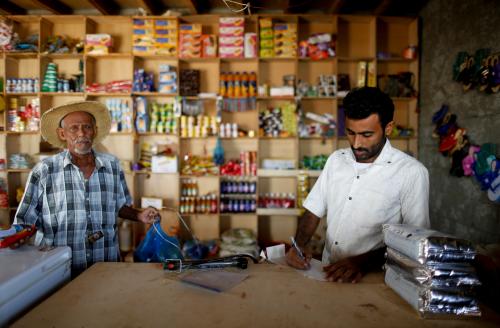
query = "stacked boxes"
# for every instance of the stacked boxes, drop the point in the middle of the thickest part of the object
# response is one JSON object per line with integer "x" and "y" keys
{"x": 155, "y": 36}
{"x": 190, "y": 40}
{"x": 189, "y": 82}
{"x": 266, "y": 38}
{"x": 143, "y": 36}
{"x": 231, "y": 34}
{"x": 166, "y": 37}
{"x": 285, "y": 40}
{"x": 167, "y": 79}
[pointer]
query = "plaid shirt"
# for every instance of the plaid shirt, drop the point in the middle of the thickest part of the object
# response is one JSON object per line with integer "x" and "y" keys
{"x": 67, "y": 208}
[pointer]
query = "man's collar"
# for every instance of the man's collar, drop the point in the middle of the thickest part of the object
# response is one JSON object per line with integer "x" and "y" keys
{"x": 98, "y": 160}
{"x": 384, "y": 158}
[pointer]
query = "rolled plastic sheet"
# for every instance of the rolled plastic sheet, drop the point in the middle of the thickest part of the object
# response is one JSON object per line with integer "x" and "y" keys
{"x": 443, "y": 276}
{"x": 425, "y": 245}
{"x": 428, "y": 302}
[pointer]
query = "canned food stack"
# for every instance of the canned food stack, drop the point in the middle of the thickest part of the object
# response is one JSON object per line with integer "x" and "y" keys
{"x": 431, "y": 271}
{"x": 22, "y": 85}
{"x": 21, "y": 118}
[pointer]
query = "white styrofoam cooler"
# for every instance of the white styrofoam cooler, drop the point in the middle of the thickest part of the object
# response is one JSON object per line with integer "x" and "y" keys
{"x": 27, "y": 275}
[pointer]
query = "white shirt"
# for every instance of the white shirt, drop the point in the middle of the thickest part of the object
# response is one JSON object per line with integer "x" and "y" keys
{"x": 359, "y": 200}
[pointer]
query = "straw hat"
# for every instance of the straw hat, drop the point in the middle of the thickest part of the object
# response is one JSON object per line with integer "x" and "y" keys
{"x": 51, "y": 120}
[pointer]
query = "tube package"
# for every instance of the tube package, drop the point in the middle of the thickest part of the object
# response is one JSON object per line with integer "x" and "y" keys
{"x": 430, "y": 302}
{"x": 444, "y": 276}
{"x": 425, "y": 245}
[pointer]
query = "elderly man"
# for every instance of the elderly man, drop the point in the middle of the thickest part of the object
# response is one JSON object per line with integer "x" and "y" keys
{"x": 75, "y": 196}
{"x": 360, "y": 189}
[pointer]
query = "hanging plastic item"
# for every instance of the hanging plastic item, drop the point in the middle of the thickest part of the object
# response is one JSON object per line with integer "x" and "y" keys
{"x": 157, "y": 246}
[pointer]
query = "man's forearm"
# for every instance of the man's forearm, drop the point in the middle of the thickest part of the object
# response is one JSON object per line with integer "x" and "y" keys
{"x": 306, "y": 228}
{"x": 129, "y": 213}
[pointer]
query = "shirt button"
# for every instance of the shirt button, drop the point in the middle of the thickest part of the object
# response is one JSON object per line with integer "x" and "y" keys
{"x": 350, "y": 198}
{"x": 336, "y": 243}
{"x": 357, "y": 177}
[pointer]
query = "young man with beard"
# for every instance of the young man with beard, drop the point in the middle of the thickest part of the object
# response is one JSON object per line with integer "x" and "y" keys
{"x": 75, "y": 196}
{"x": 360, "y": 189}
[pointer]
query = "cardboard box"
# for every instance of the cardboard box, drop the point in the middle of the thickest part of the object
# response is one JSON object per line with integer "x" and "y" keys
{"x": 151, "y": 201}
{"x": 163, "y": 164}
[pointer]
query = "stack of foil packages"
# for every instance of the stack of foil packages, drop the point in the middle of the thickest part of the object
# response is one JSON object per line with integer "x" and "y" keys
{"x": 431, "y": 271}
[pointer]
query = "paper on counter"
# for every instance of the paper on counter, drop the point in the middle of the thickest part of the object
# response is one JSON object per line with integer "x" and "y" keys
{"x": 216, "y": 280}
{"x": 276, "y": 255}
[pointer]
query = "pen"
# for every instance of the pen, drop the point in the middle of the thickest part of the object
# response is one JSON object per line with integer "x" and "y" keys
{"x": 297, "y": 249}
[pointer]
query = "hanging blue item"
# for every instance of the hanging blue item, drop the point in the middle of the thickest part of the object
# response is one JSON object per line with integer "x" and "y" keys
{"x": 218, "y": 153}
{"x": 157, "y": 246}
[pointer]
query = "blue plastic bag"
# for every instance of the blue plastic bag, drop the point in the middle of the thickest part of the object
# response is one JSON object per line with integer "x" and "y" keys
{"x": 157, "y": 246}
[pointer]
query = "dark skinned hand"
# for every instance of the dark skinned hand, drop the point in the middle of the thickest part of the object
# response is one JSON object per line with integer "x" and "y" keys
{"x": 347, "y": 270}
{"x": 294, "y": 260}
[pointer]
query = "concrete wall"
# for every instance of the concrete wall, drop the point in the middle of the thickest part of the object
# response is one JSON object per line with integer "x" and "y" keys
{"x": 457, "y": 205}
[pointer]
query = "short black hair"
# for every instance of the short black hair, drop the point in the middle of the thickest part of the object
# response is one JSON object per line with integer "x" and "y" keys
{"x": 362, "y": 102}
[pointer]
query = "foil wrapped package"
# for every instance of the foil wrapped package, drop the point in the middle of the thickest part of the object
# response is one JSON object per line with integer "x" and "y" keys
{"x": 425, "y": 245}
{"x": 429, "y": 302}
{"x": 437, "y": 275}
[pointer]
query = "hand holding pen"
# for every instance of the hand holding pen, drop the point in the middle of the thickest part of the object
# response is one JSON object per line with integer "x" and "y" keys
{"x": 295, "y": 257}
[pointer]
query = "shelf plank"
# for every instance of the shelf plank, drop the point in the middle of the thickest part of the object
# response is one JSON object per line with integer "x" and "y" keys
{"x": 208, "y": 60}
{"x": 154, "y": 56}
{"x": 153, "y": 94}
{"x": 255, "y": 59}
{"x": 396, "y": 60}
{"x": 110, "y": 55}
{"x": 108, "y": 94}
{"x": 355, "y": 59}
{"x": 62, "y": 56}
{"x": 19, "y": 94}
{"x": 67, "y": 94}
{"x": 21, "y": 55}
{"x": 310, "y": 60}
{"x": 276, "y": 98}
{"x": 18, "y": 170}
{"x": 319, "y": 98}
{"x": 146, "y": 134}
{"x": 23, "y": 132}
{"x": 279, "y": 211}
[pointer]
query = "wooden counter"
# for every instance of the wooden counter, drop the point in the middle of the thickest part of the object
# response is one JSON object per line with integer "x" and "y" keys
{"x": 137, "y": 294}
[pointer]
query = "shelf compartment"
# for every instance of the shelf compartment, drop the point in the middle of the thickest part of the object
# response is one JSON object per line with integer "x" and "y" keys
{"x": 152, "y": 65}
{"x": 394, "y": 34}
{"x": 356, "y": 36}
{"x": 72, "y": 26}
{"x": 119, "y": 27}
{"x": 106, "y": 69}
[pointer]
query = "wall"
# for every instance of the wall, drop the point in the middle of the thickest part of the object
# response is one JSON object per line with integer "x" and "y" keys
{"x": 457, "y": 205}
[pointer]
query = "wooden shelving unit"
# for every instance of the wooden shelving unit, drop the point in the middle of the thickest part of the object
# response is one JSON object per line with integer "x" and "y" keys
{"x": 359, "y": 38}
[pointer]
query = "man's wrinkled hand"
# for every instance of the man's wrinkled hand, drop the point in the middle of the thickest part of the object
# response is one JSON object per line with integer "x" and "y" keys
{"x": 293, "y": 259}
{"x": 344, "y": 271}
{"x": 148, "y": 215}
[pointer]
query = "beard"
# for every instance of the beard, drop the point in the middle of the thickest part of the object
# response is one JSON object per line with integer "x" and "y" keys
{"x": 82, "y": 141}
{"x": 365, "y": 154}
